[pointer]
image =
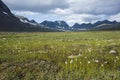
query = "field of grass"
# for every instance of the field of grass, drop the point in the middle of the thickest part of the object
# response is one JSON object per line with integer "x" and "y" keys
{"x": 60, "y": 56}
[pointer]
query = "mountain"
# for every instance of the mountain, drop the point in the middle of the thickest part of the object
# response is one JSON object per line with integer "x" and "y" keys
{"x": 56, "y": 24}
{"x": 76, "y": 25}
{"x": 81, "y": 27}
{"x": 26, "y": 20}
{"x": 108, "y": 27}
{"x": 33, "y": 21}
{"x": 10, "y": 22}
{"x": 62, "y": 24}
{"x": 99, "y": 25}
{"x": 104, "y": 22}
{"x": 7, "y": 19}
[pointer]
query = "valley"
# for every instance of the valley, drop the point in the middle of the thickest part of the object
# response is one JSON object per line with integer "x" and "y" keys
{"x": 60, "y": 55}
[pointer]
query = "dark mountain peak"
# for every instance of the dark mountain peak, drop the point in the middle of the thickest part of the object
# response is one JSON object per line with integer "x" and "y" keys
{"x": 76, "y": 25}
{"x": 48, "y": 24}
{"x": 62, "y": 24}
{"x": 115, "y": 21}
{"x": 83, "y": 25}
{"x": 55, "y": 24}
{"x": 33, "y": 21}
{"x": 4, "y": 8}
{"x": 47, "y": 21}
{"x": 105, "y": 20}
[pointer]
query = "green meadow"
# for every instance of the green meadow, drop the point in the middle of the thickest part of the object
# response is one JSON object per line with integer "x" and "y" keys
{"x": 60, "y": 55}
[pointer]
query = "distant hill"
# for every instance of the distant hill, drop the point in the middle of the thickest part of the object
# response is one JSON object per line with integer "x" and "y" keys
{"x": 82, "y": 26}
{"x": 108, "y": 27}
{"x": 99, "y": 25}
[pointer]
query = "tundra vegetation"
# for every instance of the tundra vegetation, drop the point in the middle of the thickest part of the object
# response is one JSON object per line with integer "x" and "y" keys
{"x": 60, "y": 55}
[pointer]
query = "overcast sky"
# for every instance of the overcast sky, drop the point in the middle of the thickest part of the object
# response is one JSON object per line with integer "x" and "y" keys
{"x": 71, "y": 11}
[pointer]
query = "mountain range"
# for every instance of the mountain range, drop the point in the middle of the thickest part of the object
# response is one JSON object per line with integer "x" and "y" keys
{"x": 99, "y": 25}
{"x": 11, "y": 22}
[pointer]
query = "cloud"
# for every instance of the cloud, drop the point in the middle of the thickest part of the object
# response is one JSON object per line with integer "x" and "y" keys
{"x": 95, "y": 6}
{"x": 28, "y": 13}
{"x": 41, "y": 6}
{"x": 115, "y": 17}
{"x": 77, "y": 6}
{"x": 81, "y": 11}
{"x": 84, "y": 18}
{"x": 39, "y": 17}
{"x": 59, "y": 11}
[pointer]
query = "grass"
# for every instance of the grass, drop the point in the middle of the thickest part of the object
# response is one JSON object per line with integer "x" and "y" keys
{"x": 60, "y": 56}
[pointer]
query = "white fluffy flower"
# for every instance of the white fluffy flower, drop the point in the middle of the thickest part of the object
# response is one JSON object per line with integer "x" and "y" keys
{"x": 117, "y": 57}
{"x": 105, "y": 62}
{"x": 76, "y": 59}
{"x": 96, "y": 61}
{"x": 88, "y": 62}
{"x": 102, "y": 65}
{"x": 71, "y": 61}
{"x": 65, "y": 62}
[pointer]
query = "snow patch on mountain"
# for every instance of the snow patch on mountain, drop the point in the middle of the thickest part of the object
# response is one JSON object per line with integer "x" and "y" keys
{"x": 5, "y": 13}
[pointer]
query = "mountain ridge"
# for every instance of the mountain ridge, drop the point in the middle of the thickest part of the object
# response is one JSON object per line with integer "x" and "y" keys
{"x": 94, "y": 26}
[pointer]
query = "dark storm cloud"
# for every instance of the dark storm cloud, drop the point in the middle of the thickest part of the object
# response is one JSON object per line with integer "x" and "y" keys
{"x": 41, "y": 6}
